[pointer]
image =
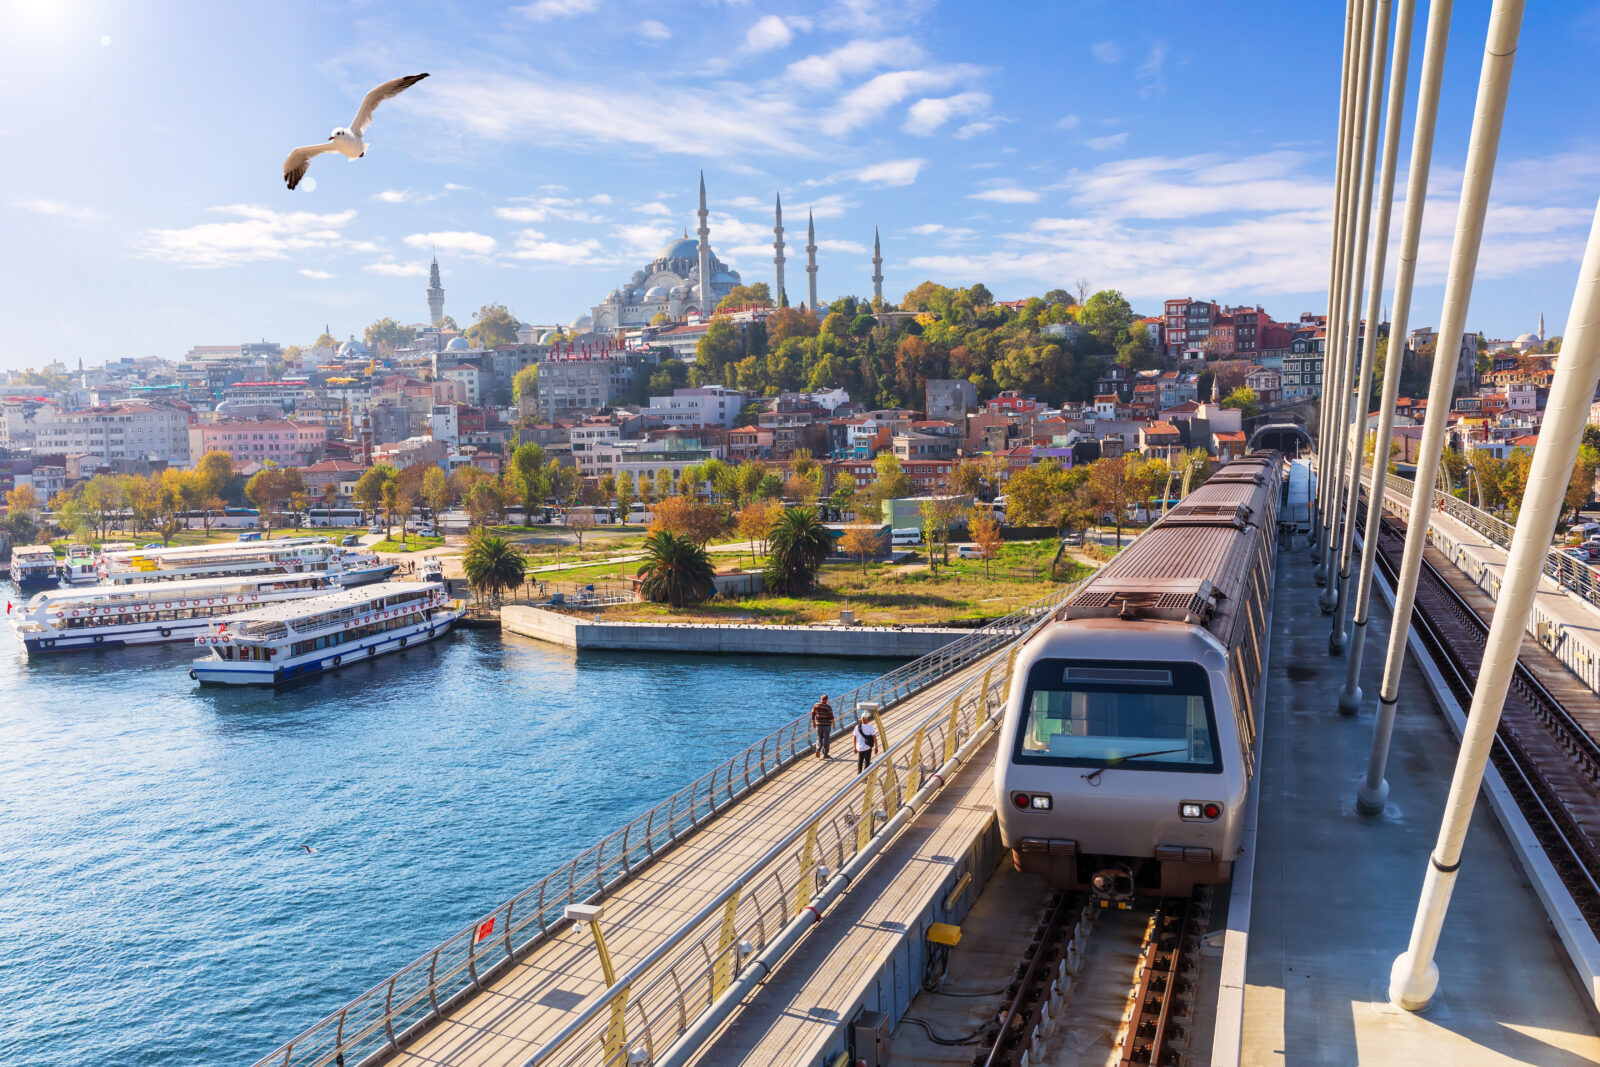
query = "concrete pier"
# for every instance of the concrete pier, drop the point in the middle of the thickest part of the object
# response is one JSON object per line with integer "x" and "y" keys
{"x": 748, "y": 638}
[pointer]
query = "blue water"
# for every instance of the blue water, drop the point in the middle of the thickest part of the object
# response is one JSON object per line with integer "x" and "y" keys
{"x": 156, "y": 904}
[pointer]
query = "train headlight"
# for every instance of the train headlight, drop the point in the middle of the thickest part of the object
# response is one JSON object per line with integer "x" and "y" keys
{"x": 1031, "y": 801}
{"x": 1199, "y": 810}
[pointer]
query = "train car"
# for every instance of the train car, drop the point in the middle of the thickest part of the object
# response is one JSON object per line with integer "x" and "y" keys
{"x": 1128, "y": 746}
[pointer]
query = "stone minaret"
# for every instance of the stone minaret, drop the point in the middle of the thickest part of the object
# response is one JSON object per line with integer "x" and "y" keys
{"x": 811, "y": 260}
{"x": 777, "y": 249}
{"x": 1541, "y": 327}
{"x": 435, "y": 293}
{"x": 877, "y": 269}
{"x": 708, "y": 300}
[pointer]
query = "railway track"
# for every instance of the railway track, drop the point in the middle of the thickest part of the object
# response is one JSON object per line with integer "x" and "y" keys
{"x": 1548, "y": 761}
{"x": 1037, "y": 1028}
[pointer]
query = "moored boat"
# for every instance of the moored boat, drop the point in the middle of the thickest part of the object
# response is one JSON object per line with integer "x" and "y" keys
{"x": 114, "y": 616}
{"x": 80, "y": 566}
{"x": 286, "y": 555}
{"x": 364, "y": 568}
{"x": 33, "y": 567}
{"x": 286, "y": 642}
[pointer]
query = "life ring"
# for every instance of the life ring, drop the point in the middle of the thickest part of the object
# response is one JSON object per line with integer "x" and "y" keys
{"x": 372, "y": 650}
{"x": 192, "y": 675}
{"x": 166, "y": 631}
{"x": 211, "y": 600}
{"x": 238, "y": 600}
{"x": 402, "y": 642}
{"x": 74, "y": 613}
{"x": 48, "y": 642}
{"x": 338, "y": 660}
{"x": 99, "y": 638}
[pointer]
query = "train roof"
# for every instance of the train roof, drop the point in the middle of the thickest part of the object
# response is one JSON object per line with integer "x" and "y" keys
{"x": 1192, "y": 564}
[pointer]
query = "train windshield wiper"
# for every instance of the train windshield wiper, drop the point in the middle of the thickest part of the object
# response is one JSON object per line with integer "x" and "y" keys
{"x": 1093, "y": 776}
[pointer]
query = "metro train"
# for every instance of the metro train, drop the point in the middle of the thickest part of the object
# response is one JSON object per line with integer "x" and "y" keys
{"x": 1128, "y": 746}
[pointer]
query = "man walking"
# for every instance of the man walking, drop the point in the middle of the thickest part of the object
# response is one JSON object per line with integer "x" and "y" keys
{"x": 822, "y": 723}
{"x": 866, "y": 738}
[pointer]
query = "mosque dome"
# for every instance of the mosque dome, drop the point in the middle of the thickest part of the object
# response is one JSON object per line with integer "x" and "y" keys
{"x": 548, "y": 337}
{"x": 722, "y": 277}
{"x": 682, "y": 248}
{"x": 615, "y": 297}
{"x": 353, "y": 349}
{"x": 458, "y": 344}
{"x": 657, "y": 292}
{"x": 638, "y": 278}
{"x": 682, "y": 291}
{"x": 1527, "y": 339}
{"x": 582, "y": 322}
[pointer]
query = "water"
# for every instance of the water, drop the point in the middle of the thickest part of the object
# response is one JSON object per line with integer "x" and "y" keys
{"x": 158, "y": 905}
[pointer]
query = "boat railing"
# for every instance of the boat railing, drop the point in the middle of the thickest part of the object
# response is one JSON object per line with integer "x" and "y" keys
{"x": 378, "y": 1021}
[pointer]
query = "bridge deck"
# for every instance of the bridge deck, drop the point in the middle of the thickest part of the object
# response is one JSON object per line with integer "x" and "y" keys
{"x": 1335, "y": 892}
{"x": 512, "y": 1017}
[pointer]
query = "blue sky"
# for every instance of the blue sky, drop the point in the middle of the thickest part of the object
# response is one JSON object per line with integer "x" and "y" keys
{"x": 1166, "y": 149}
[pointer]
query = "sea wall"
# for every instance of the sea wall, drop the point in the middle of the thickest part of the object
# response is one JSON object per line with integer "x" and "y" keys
{"x": 572, "y": 632}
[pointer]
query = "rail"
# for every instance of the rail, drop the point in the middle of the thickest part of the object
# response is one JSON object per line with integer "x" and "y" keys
{"x": 379, "y": 1020}
{"x": 1575, "y": 575}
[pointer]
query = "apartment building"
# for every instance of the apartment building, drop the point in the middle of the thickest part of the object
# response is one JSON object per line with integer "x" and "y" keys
{"x": 114, "y": 432}
{"x": 289, "y": 444}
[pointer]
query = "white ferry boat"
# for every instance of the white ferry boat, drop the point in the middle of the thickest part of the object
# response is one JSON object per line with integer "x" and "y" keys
{"x": 364, "y": 568}
{"x": 113, "y": 616}
{"x": 291, "y": 641}
{"x": 33, "y": 567}
{"x": 288, "y": 555}
{"x": 80, "y": 567}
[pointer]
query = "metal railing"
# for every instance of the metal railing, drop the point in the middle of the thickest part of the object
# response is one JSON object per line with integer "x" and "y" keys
{"x": 417, "y": 995}
{"x": 1573, "y": 574}
{"x": 684, "y": 976}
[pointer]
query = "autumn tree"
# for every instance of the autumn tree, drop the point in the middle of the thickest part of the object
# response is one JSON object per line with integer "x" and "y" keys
{"x": 528, "y": 477}
{"x": 985, "y": 533}
{"x": 626, "y": 494}
{"x": 483, "y": 502}
{"x": 386, "y": 335}
{"x": 217, "y": 470}
{"x": 754, "y": 521}
{"x": 525, "y": 385}
{"x": 699, "y": 522}
{"x": 861, "y": 542}
{"x": 436, "y": 492}
{"x": 492, "y": 325}
{"x": 368, "y": 493}
{"x": 1113, "y": 485}
{"x": 758, "y": 294}
{"x": 579, "y": 521}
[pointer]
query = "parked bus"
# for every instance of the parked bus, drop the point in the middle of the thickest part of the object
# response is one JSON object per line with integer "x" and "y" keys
{"x": 333, "y": 517}
{"x": 226, "y": 519}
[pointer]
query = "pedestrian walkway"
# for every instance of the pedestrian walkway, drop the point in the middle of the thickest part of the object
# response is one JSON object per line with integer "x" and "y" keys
{"x": 513, "y": 1016}
{"x": 1334, "y": 892}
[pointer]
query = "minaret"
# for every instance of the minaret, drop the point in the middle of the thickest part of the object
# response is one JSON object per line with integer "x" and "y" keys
{"x": 708, "y": 300}
{"x": 777, "y": 249}
{"x": 1541, "y": 327}
{"x": 811, "y": 260}
{"x": 877, "y": 270}
{"x": 435, "y": 293}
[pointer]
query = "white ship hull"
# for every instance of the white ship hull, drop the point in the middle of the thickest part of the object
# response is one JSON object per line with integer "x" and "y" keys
{"x": 228, "y": 672}
{"x": 48, "y": 642}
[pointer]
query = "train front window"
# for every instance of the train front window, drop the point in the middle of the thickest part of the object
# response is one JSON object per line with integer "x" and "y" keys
{"x": 1147, "y": 716}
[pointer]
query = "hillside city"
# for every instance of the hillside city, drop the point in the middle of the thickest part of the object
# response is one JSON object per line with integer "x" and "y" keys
{"x": 845, "y": 404}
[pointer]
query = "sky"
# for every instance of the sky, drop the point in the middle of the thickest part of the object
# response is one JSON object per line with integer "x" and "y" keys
{"x": 1166, "y": 149}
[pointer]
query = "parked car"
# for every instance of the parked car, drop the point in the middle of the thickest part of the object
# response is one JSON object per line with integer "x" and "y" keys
{"x": 253, "y": 535}
{"x": 1073, "y": 539}
{"x": 376, "y": 531}
{"x": 152, "y": 544}
{"x": 349, "y": 539}
{"x": 969, "y": 552}
{"x": 907, "y": 537}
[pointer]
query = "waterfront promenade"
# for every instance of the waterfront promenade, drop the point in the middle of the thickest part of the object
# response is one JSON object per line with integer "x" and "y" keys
{"x": 509, "y": 1019}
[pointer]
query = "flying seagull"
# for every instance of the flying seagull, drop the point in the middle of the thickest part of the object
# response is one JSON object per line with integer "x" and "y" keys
{"x": 346, "y": 140}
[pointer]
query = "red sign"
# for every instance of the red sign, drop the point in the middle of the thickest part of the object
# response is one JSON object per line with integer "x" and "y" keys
{"x": 485, "y": 928}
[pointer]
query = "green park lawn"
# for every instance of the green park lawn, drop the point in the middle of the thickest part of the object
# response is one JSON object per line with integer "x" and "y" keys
{"x": 412, "y": 543}
{"x": 198, "y": 536}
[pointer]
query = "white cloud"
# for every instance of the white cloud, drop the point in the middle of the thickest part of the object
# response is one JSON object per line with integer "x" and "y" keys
{"x": 255, "y": 233}
{"x": 872, "y": 98}
{"x": 1006, "y": 195}
{"x": 453, "y": 241}
{"x": 536, "y": 247}
{"x": 398, "y": 270}
{"x": 927, "y": 229}
{"x": 1152, "y": 71}
{"x": 55, "y": 207}
{"x": 654, "y": 207}
{"x": 545, "y": 10}
{"x": 1109, "y": 141}
{"x": 320, "y": 275}
{"x": 890, "y": 173}
{"x": 1068, "y": 122}
{"x": 541, "y": 208}
{"x": 768, "y": 33}
{"x": 641, "y": 240}
{"x": 393, "y": 196}
{"x": 973, "y": 129}
{"x": 1106, "y": 51}
{"x": 521, "y": 214}
{"x": 928, "y": 114}
{"x": 454, "y": 188}
{"x": 827, "y": 70}
{"x": 854, "y": 247}
{"x": 1180, "y": 187}
{"x": 600, "y": 198}
{"x": 651, "y": 30}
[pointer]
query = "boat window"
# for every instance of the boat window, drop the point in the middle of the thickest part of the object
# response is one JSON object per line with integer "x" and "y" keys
{"x": 1084, "y": 713}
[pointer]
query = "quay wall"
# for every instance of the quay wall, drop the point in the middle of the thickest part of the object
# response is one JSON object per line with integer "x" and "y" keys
{"x": 572, "y": 632}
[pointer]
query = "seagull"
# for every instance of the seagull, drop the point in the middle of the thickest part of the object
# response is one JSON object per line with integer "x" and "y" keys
{"x": 346, "y": 140}
{"x": 308, "y": 848}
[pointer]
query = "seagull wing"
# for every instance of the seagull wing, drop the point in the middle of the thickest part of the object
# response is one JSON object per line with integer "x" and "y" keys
{"x": 299, "y": 161}
{"x": 377, "y": 96}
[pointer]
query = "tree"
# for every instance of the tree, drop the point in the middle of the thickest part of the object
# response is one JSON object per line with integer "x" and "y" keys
{"x": 626, "y": 494}
{"x": 449, "y": 323}
{"x": 368, "y": 493}
{"x": 386, "y": 335}
{"x": 483, "y": 502}
{"x": 1105, "y": 313}
{"x": 492, "y": 325}
{"x": 436, "y": 492}
{"x": 525, "y": 384}
{"x": 754, "y": 522}
{"x": 1243, "y": 398}
{"x": 298, "y": 504}
{"x": 939, "y": 514}
{"x": 719, "y": 346}
{"x": 391, "y": 504}
{"x": 23, "y": 500}
{"x": 102, "y": 499}
{"x": 892, "y": 483}
{"x": 529, "y": 478}
{"x": 580, "y": 521}
{"x": 664, "y": 484}
{"x": 861, "y": 542}
{"x": 759, "y": 294}
{"x": 967, "y": 478}
{"x": 1580, "y": 487}
{"x": 799, "y": 544}
{"x": 1112, "y": 487}
{"x": 699, "y": 522}
{"x": 676, "y": 571}
{"x": 985, "y": 533}
{"x": 169, "y": 505}
{"x": 1034, "y": 494}
{"x": 217, "y": 470}
{"x": 493, "y": 564}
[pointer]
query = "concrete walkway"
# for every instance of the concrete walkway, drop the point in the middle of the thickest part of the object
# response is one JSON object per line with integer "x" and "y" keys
{"x": 1335, "y": 893}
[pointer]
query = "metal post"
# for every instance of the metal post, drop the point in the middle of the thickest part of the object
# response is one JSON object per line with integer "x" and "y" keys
{"x": 1333, "y": 248}
{"x": 1368, "y": 346}
{"x": 1368, "y": 798}
{"x": 1493, "y": 83}
{"x": 1337, "y": 342}
{"x": 1415, "y": 976}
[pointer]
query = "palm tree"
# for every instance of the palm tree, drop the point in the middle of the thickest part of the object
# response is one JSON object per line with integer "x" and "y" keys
{"x": 797, "y": 546}
{"x": 493, "y": 565}
{"x": 676, "y": 570}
